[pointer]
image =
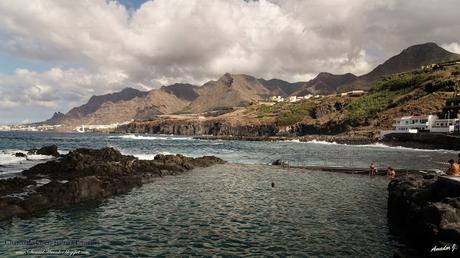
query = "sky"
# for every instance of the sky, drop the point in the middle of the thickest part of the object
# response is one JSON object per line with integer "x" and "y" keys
{"x": 56, "y": 54}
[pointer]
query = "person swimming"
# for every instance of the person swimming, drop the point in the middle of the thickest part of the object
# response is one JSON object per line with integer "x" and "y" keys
{"x": 454, "y": 169}
{"x": 391, "y": 173}
{"x": 372, "y": 169}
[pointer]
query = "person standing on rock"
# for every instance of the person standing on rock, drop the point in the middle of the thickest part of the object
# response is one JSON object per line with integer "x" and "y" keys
{"x": 454, "y": 169}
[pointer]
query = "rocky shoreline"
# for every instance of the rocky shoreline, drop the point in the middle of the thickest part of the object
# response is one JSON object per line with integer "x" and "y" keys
{"x": 270, "y": 132}
{"x": 423, "y": 140}
{"x": 425, "y": 210}
{"x": 308, "y": 138}
{"x": 85, "y": 175}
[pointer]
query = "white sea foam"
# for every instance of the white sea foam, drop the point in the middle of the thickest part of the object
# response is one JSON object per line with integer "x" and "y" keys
{"x": 374, "y": 145}
{"x": 322, "y": 142}
{"x": 8, "y": 157}
{"x": 381, "y": 145}
{"x": 146, "y": 156}
{"x": 142, "y": 137}
{"x": 312, "y": 141}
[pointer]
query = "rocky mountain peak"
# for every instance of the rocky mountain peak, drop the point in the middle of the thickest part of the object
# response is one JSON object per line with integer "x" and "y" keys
{"x": 226, "y": 79}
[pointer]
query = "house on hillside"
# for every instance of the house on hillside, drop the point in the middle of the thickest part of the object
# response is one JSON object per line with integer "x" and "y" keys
{"x": 427, "y": 124}
{"x": 276, "y": 99}
{"x": 308, "y": 96}
{"x": 412, "y": 124}
{"x": 444, "y": 125}
{"x": 293, "y": 99}
{"x": 353, "y": 93}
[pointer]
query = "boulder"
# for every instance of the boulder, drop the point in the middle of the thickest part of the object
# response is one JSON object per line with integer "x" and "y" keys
{"x": 51, "y": 150}
{"x": 14, "y": 185}
{"x": 426, "y": 210}
{"x": 20, "y": 155}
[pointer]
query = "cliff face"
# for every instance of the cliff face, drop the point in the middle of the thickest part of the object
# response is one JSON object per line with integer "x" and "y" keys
{"x": 195, "y": 127}
{"x": 218, "y": 127}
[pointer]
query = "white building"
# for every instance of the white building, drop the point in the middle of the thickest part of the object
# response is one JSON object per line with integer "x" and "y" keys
{"x": 412, "y": 124}
{"x": 444, "y": 126}
{"x": 353, "y": 93}
{"x": 293, "y": 99}
{"x": 308, "y": 96}
{"x": 276, "y": 99}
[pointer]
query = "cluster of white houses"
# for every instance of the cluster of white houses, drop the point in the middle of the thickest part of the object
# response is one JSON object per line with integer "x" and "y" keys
{"x": 428, "y": 123}
{"x": 447, "y": 122}
{"x": 292, "y": 98}
{"x": 353, "y": 93}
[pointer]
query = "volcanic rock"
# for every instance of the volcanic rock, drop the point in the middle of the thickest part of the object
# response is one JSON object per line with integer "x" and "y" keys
{"x": 51, "y": 150}
{"x": 84, "y": 175}
{"x": 20, "y": 155}
{"x": 426, "y": 210}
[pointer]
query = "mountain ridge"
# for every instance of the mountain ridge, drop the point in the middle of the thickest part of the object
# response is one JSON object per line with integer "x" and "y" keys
{"x": 233, "y": 90}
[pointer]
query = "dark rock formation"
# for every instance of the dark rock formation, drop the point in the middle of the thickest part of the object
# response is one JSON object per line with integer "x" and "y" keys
{"x": 84, "y": 175}
{"x": 14, "y": 185}
{"x": 196, "y": 127}
{"x": 20, "y": 155}
{"x": 427, "y": 211}
{"x": 51, "y": 150}
{"x": 278, "y": 162}
{"x": 423, "y": 140}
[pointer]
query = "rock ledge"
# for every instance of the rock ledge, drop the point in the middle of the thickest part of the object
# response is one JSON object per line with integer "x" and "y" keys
{"x": 85, "y": 175}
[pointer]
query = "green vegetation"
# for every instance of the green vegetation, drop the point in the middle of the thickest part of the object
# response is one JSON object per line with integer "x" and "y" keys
{"x": 286, "y": 113}
{"x": 456, "y": 72}
{"x": 295, "y": 113}
{"x": 382, "y": 95}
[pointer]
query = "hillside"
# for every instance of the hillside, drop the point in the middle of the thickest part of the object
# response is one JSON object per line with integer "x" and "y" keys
{"x": 325, "y": 83}
{"x": 409, "y": 59}
{"x": 229, "y": 91}
{"x": 153, "y": 104}
{"x": 414, "y": 93}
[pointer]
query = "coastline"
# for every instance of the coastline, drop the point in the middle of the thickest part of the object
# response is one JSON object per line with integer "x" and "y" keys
{"x": 422, "y": 141}
{"x": 339, "y": 139}
{"x": 86, "y": 175}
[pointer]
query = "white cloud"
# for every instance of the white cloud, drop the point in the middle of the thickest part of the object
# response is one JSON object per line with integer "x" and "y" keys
{"x": 54, "y": 88}
{"x": 452, "y": 47}
{"x": 98, "y": 46}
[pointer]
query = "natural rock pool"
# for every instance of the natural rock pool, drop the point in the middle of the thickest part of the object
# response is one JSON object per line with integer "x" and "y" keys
{"x": 228, "y": 209}
{"x": 224, "y": 210}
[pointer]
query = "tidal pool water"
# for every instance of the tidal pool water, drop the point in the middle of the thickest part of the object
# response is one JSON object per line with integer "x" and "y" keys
{"x": 224, "y": 210}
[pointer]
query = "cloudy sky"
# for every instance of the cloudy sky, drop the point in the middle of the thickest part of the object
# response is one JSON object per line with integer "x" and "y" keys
{"x": 55, "y": 54}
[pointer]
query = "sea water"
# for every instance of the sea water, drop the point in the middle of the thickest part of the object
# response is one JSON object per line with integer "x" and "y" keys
{"x": 226, "y": 210}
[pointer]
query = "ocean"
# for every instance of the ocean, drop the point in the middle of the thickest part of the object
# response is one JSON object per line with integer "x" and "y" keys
{"x": 224, "y": 210}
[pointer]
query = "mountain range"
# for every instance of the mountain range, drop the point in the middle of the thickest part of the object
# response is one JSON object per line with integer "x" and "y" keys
{"x": 233, "y": 90}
